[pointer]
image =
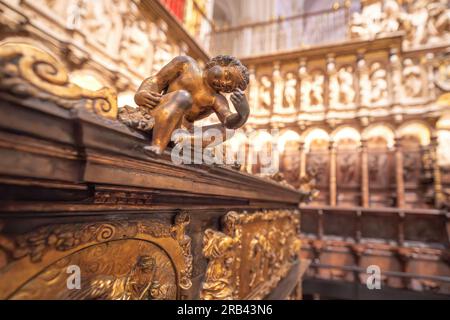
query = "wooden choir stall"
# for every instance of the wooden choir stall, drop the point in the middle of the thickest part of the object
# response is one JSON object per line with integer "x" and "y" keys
{"x": 79, "y": 194}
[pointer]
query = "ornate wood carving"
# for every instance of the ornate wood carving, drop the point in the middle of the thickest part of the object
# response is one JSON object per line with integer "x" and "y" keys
{"x": 118, "y": 259}
{"x": 252, "y": 254}
{"x": 27, "y": 71}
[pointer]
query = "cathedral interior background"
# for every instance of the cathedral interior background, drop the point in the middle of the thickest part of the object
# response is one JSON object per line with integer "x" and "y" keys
{"x": 357, "y": 91}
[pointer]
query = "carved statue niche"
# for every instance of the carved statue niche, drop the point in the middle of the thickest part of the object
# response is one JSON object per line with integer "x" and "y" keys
{"x": 412, "y": 76}
{"x": 265, "y": 95}
{"x": 316, "y": 93}
{"x": 182, "y": 93}
{"x": 378, "y": 81}
{"x": 312, "y": 90}
{"x": 342, "y": 92}
{"x": 290, "y": 91}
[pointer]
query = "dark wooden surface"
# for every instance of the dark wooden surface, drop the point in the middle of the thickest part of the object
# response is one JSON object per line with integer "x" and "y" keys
{"x": 61, "y": 166}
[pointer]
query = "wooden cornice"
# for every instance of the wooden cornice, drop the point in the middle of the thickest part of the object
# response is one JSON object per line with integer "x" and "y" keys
{"x": 54, "y": 148}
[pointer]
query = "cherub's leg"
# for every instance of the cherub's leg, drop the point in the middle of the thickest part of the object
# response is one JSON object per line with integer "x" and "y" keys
{"x": 168, "y": 115}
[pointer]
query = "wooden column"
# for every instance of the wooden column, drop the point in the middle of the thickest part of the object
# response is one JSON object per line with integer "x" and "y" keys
{"x": 364, "y": 174}
{"x": 333, "y": 188}
{"x": 400, "y": 184}
{"x": 438, "y": 194}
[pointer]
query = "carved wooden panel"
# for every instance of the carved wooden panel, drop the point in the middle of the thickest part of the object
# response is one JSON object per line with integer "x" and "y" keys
{"x": 118, "y": 259}
{"x": 251, "y": 256}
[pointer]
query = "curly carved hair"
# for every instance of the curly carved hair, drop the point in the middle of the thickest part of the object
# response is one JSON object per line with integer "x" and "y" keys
{"x": 230, "y": 61}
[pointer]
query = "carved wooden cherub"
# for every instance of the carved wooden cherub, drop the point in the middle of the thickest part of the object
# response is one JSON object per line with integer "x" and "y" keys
{"x": 181, "y": 93}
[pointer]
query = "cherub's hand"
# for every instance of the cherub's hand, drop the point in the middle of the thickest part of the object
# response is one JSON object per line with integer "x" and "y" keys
{"x": 147, "y": 99}
{"x": 237, "y": 97}
{"x": 240, "y": 102}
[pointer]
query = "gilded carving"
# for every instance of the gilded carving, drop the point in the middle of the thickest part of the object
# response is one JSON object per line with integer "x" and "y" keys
{"x": 254, "y": 252}
{"x": 378, "y": 79}
{"x": 424, "y": 21}
{"x": 342, "y": 92}
{"x": 157, "y": 260}
{"x": 312, "y": 90}
{"x": 412, "y": 76}
{"x": 442, "y": 73}
{"x": 28, "y": 71}
{"x": 290, "y": 91}
{"x": 265, "y": 95}
{"x": 220, "y": 250}
{"x": 182, "y": 93}
{"x": 109, "y": 197}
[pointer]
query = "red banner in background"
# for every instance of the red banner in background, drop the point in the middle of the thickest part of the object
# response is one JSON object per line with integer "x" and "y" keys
{"x": 176, "y": 7}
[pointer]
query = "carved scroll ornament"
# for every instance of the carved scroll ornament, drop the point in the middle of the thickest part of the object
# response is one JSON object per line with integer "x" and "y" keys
{"x": 251, "y": 256}
{"x": 28, "y": 71}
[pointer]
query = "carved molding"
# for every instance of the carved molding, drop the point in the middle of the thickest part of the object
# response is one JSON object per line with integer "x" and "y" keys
{"x": 252, "y": 254}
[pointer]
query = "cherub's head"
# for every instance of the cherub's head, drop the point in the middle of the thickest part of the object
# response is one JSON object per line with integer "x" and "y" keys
{"x": 226, "y": 74}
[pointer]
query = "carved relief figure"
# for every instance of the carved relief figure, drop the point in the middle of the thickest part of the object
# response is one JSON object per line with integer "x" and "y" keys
{"x": 415, "y": 22}
{"x": 316, "y": 93}
{"x": 257, "y": 254}
{"x": 135, "y": 44}
{"x": 219, "y": 249}
{"x": 312, "y": 90}
{"x": 368, "y": 22}
{"x": 341, "y": 87}
{"x": 317, "y": 169}
{"x": 390, "y": 17}
{"x": 290, "y": 90}
{"x": 265, "y": 95}
{"x": 379, "y": 83}
{"x": 140, "y": 283}
{"x": 377, "y": 169}
{"x": 425, "y": 21}
{"x": 348, "y": 168}
{"x": 439, "y": 21}
{"x": 442, "y": 73}
{"x": 181, "y": 93}
{"x": 412, "y": 79}
{"x": 103, "y": 20}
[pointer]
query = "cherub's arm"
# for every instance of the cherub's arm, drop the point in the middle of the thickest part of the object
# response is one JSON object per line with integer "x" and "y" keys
{"x": 229, "y": 119}
{"x": 149, "y": 93}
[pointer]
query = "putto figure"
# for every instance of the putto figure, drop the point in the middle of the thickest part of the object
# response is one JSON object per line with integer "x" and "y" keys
{"x": 181, "y": 93}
